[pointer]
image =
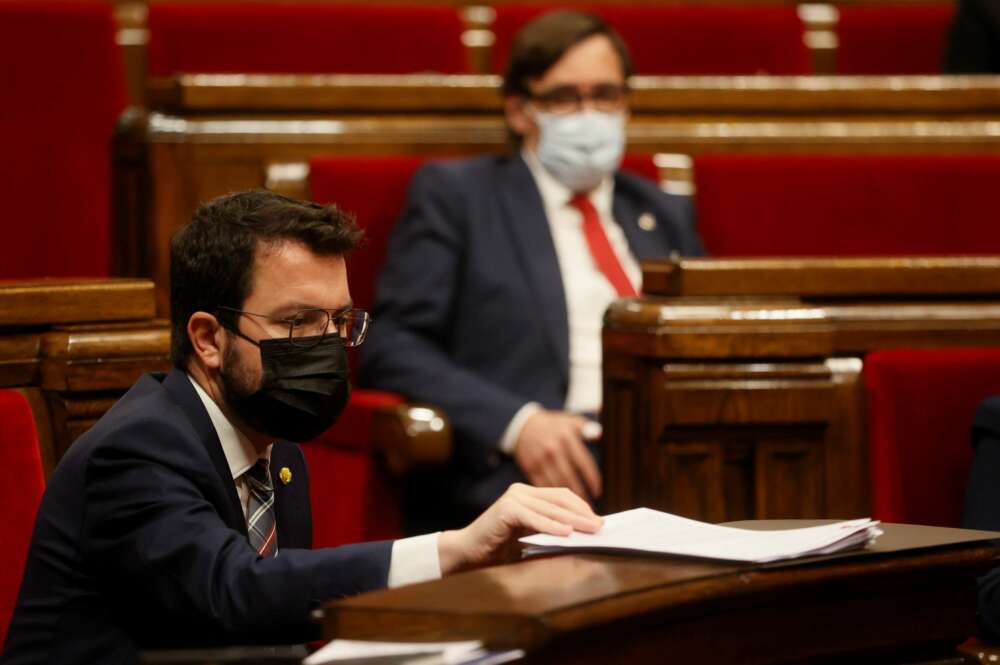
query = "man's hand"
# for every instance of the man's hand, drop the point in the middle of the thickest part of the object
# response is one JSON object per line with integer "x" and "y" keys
{"x": 522, "y": 510}
{"x": 551, "y": 452}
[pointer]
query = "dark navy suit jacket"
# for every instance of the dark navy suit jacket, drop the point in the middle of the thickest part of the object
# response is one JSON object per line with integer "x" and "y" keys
{"x": 140, "y": 542}
{"x": 470, "y": 310}
{"x": 982, "y": 506}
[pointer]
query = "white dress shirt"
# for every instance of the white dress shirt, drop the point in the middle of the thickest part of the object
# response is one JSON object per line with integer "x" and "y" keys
{"x": 588, "y": 292}
{"x": 413, "y": 559}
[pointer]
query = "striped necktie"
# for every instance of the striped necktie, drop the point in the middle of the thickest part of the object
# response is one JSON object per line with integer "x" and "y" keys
{"x": 262, "y": 531}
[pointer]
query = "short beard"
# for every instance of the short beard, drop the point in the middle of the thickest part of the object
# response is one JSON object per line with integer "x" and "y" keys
{"x": 238, "y": 382}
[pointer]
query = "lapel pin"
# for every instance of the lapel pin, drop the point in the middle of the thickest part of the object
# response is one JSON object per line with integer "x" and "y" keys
{"x": 647, "y": 222}
{"x": 285, "y": 475}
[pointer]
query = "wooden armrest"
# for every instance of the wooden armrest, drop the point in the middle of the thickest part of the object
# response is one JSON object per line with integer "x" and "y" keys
{"x": 411, "y": 437}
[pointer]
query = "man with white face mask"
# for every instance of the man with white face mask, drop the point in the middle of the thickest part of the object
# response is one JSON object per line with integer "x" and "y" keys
{"x": 498, "y": 274}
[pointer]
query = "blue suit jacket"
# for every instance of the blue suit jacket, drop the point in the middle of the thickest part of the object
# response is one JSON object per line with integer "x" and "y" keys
{"x": 470, "y": 310}
{"x": 140, "y": 542}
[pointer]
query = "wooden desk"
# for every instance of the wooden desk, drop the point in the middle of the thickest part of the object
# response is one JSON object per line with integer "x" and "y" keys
{"x": 73, "y": 347}
{"x": 209, "y": 135}
{"x": 734, "y": 389}
{"x": 911, "y": 598}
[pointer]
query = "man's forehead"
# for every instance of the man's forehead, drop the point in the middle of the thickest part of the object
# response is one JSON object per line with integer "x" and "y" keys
{"x": 592, "y": 61}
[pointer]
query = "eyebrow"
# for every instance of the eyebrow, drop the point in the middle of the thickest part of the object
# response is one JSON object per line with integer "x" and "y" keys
{"x": 298, "y": 307}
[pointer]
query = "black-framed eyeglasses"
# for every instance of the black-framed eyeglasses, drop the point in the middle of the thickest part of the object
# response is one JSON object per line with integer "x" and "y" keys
{"x": 564, "y": 99}
{"x": 308, "y": 327}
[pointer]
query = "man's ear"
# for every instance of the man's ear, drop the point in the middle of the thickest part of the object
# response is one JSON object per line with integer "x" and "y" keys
{"x": 517, "y": 116}
{"x": 206, "y": 335}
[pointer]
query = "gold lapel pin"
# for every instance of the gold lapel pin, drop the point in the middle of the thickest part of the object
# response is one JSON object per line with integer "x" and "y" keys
{"x": 285, "y": 475}
{"x": 647, "y": 222}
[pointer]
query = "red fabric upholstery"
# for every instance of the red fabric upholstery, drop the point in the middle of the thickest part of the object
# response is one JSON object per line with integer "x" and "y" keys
{"x": 893, "y": 39}
{"x": 304, "y": 38}
{"x": 350, "y": 495}
{"x": 641, "y": 165}
{"x": 920, "y": 408}
{"x": 678, "y": 39}
{"x": 829, "y": 205}
{"x": 63, "y": 87}
{"x": 21, "y": 485}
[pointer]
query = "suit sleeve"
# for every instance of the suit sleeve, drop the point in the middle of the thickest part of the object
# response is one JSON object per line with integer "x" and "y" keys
{"x": 408, "y": 348}
{"x": 982, "y": 506}
{"x": 149, "y": 528}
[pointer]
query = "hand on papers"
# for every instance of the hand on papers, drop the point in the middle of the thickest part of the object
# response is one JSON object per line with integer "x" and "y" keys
{"x": 523, "y": 509}
{"x": 551, "y": 452}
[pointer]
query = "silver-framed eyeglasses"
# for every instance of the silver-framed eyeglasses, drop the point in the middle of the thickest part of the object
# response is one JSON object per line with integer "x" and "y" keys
{"x": 308, "y": 327}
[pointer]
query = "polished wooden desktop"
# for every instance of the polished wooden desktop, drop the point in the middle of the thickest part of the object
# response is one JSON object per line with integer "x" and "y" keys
{"x": 910, "y": 598}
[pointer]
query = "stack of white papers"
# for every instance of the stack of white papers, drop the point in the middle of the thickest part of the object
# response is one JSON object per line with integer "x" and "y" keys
{"x": 415, "y": 653}
{"x": 647, "y": 530}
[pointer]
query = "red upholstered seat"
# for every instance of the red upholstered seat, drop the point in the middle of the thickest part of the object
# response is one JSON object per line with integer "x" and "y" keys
{"x": 920, "y": 408}
{"x": 21, "y": 486}
{"x": 63, "y": 86}
{"x": 304, "y": 38}
{"x": 351, "y": 497}
{"x": 893, "y": 39}
{"x": 679, "y": 39}
{"x": 829, "y": 205}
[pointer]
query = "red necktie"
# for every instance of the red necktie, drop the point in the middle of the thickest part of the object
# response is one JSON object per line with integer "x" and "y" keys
{"x": 600, "y": 249}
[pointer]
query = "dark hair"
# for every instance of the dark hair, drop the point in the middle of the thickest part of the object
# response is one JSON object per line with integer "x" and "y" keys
{"x": 544, "y": 40}
{"x": 212, "y": 258}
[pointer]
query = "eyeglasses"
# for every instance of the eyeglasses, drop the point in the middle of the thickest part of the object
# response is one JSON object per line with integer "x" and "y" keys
{"x": 565, "y": 99}
{"x": 308, "y": 327}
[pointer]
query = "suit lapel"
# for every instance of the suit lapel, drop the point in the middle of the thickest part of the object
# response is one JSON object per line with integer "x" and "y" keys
{"x": 291, "y": 500}
{"x": 184, "y": 394}
{"x": 524, "y": 213}
{"x": 644, "y": 245}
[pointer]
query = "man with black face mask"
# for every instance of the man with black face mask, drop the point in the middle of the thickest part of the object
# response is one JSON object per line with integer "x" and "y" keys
{"x": 498, "y": 274}
{"x": 182, "y": 517}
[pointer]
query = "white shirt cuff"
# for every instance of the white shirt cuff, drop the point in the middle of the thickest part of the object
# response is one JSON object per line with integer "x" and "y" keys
{"x": 508, "y": 442}
{"x": 414, "y": 560}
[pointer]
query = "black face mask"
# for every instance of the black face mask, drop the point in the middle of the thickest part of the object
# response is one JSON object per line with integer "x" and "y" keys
{"x": 303, "y": 391}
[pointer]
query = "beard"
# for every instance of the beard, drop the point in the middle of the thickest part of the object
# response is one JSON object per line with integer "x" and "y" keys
{"x": 239, "y": 382}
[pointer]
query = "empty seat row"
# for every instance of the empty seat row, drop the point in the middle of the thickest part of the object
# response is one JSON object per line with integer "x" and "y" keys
{"x": 664, "y": 39}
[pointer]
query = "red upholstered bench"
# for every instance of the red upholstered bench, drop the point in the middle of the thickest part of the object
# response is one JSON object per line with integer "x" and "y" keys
{"x": 21, "y": 486}
{"x": 893, "y": 39}
{"x": 863, "y": 205}
{"x": 63, "y": 86}
{"x": 304, "y": 38}
{"x": 679, "y": 39}
{"x": 920, "y": 409}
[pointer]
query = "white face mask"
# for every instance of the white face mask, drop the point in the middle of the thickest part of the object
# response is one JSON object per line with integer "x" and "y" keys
{"x": 580, "y": 149}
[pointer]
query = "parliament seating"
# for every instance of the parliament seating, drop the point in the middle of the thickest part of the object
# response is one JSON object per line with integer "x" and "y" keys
{"x": 920, "y": 408}
{"x": 304, "y": 38}
{"x": 844, "y": 205}
{"x": 892, "y": 38}
{"x": 686, "y": 39}
{"x": 21, "y": 487}
{"x": 63, "y": 90}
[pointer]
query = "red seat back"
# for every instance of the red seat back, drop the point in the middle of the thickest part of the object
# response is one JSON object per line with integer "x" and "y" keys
{"x": 63, "y": 88}
{"x": 893, "y": 39}
{"x": 920, "y": 409}
{"x": 304, "y": 38}
{"x": 21, "y": 486}
{"x": 830, "y": 205}
{"x": 679, "y": 39}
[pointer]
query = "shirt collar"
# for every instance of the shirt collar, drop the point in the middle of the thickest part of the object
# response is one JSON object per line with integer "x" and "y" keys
{"x": 555, "y": 195}
{"x": 239, "y": 451}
